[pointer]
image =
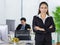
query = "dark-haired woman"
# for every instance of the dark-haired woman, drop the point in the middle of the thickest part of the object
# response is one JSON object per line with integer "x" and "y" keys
{"x": 43, "y": 26}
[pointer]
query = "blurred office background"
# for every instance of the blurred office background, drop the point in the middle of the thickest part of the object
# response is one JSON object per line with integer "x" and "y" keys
{"x": 13, "y": 10}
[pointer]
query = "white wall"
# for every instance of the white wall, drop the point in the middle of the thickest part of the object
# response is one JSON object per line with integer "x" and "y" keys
{"x": 2, "y": 14}
{"x": 30, "y": 8}
{"x": 13, "y": 10}
{"x": 10, "y": 9}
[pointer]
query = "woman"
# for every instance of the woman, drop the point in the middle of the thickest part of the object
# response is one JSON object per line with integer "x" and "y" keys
{"x": 43, "y": 26}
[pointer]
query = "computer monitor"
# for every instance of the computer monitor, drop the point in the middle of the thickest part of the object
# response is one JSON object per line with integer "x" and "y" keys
{"x": 4, "y": 33}
{"x": 11, "y": 25}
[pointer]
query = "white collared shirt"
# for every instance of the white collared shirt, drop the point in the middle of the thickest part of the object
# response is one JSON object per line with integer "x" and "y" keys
{"x": 42, "y": 19}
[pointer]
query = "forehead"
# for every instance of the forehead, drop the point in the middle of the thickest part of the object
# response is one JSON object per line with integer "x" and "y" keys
{"x": 43, "y": 5}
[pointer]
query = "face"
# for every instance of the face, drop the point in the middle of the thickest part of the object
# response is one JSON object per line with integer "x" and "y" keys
{"x": 43, "y": 8}
{"x": 23, "y": 22}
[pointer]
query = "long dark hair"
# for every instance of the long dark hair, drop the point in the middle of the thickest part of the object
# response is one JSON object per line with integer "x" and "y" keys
{"x": 40, "y": 6}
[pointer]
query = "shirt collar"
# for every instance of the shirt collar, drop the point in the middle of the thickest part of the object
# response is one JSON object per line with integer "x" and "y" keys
{"x": 40, "y": 16}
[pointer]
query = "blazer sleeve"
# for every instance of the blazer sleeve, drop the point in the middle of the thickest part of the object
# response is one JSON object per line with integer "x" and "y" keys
{"x": 49, "y": 30}
{"x": 28, "y": 26}
{"x": 18, "y": 27}
{"x": 34, "y": 23}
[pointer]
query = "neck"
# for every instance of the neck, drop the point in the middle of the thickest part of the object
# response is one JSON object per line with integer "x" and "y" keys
{"x": 23, "y": 24}
{"x": 43, "y": 14}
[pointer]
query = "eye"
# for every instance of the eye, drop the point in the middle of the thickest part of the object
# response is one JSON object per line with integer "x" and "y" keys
{"x": 45, "y": 7}
{"x": 41, "y": 7}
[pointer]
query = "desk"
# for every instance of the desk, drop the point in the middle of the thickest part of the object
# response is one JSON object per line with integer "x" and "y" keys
{"x": 20, "y": 43}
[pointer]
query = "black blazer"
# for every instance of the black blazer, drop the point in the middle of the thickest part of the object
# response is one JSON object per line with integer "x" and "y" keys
{"x": 26, "y": 27}
{"x": 48, "y": 22}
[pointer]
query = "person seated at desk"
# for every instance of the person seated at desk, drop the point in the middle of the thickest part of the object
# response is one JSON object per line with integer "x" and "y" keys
{"x": 23, "y": 25}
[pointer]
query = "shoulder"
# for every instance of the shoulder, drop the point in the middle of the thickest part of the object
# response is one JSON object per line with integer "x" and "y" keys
{"x": 50, "y": 17}
{"x": 20, "y": 25}
{"x": 27, "y": 25}
{"x": 36, "y": 16}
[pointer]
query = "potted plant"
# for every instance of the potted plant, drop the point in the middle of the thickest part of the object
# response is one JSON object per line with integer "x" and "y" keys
{"x": 15, "y": 41}
{"x": 57, "y": 22}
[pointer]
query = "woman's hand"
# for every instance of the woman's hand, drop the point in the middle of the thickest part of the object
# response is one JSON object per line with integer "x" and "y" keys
{"x": 38, "y": 28}
{"x": 50, "y": 26}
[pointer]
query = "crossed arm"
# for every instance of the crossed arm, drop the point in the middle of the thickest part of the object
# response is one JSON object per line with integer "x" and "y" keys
{"x": 50, "y": 29}
{"x": 41, "y": 29}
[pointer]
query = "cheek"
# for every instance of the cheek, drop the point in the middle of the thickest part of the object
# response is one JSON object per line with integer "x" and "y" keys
{"x": 41, "y": 10}
{"x": 46, "y": 9}
{"x": 22, "y": 22}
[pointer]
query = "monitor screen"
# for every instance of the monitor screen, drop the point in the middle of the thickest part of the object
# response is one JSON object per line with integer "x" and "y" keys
{"x": 11, "y": 25}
